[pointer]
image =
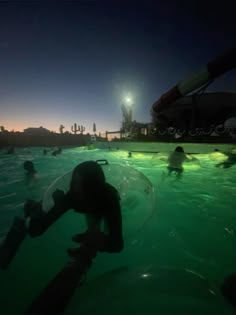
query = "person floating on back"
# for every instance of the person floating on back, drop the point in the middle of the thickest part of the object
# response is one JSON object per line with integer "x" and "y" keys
{"x": 89, "y": 193}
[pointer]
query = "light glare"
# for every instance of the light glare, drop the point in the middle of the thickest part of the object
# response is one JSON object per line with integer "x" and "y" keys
{"x": 128, "y": 100}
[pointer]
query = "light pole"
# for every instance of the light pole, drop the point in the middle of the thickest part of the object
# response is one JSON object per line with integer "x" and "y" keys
{"x": 126, "y": 108}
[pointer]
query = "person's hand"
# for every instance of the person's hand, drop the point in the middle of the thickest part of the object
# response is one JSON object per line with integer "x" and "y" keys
{"x": 58, "y": 196}
{"x": 95, "y": 239}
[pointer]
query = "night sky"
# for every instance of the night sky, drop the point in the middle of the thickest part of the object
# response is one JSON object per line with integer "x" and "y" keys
{"x": 76, "y": 61}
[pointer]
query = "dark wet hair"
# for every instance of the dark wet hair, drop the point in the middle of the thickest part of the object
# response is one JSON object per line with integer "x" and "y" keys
{"x": 179, "y": 149}
{"x": 29, "y": 166}
{"x": 93, "y": 178}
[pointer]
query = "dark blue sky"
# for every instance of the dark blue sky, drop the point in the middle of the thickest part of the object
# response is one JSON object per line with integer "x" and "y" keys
{"x": 76, "y": 61}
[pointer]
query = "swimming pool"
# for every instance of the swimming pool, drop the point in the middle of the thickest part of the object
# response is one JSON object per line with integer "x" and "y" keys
{"x": 173, "y": 264}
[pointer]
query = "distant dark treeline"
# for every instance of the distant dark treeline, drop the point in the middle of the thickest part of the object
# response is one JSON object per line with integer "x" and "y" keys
{"x": 52, "y": 139}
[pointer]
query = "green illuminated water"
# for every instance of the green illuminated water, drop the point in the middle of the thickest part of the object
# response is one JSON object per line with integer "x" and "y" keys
{"x": 174, "y": 264}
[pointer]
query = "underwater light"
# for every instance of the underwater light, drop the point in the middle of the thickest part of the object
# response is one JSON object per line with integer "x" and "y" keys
{"x": 145, "y": 275}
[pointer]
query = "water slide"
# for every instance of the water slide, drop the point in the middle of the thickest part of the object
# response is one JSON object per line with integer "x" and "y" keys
{"x": 161, "y": 109}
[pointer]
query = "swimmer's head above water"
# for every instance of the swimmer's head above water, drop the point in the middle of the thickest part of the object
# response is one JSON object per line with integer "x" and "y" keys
{"x": 179, "y": 149}
{"x": 29, "y": 167}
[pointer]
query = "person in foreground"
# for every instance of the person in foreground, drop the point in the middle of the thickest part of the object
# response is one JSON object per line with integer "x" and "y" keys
{"x": 89, "y": 194}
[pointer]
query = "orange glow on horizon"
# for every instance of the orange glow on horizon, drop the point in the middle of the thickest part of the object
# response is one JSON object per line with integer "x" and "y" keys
{"x": 16, "y": 126}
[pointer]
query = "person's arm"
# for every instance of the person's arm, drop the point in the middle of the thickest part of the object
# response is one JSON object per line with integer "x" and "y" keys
{"x": 40, "y": 221}
{"x": 114, "y": 242}
{"x": 93, "y": 222}
{"x": 169, "y": 158}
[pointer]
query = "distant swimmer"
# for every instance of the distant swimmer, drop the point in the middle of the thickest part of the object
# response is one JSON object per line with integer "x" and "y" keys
{"x": 176, "y": 160}
{"x": 29, "y": 167}
{"x": 30, "y": 171}
{"x": 229, "y": 162}
{"x": 90, "y": 146}
{"x": 57, "y": 151}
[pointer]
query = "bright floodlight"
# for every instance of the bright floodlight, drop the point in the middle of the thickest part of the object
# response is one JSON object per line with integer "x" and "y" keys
{"x": 128, "y": 100}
